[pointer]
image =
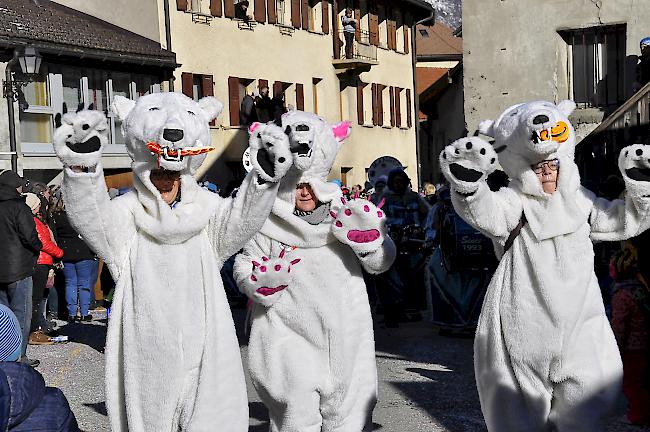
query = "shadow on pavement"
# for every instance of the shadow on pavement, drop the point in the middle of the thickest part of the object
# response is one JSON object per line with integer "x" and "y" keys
{"x": 93, "y": 335}
{"x": 99, "y": 407}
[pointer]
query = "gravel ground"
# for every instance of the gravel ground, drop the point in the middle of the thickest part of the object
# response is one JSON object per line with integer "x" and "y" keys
{"x": 426, "y": 380}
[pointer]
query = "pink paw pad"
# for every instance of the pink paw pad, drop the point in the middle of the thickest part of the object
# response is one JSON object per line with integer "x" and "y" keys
{"x": 363, "y": 236}
{"x": 278, "y": 267}
{"x": 263, "y": 269}
{"x": 348, "y": 212}
{"x": 366, "y": 209}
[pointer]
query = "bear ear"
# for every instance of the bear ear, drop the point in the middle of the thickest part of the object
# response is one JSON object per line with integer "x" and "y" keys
{"x": 342, "y": 130}
{"x": 211, "y": 107}
{"x": 566, "y": 107}
{"x": 122, "y": 106}
{"x": 486, "y": 127}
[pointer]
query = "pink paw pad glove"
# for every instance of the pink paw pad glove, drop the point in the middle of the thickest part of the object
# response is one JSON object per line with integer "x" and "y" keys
{"x": 270, "y": 278}
{"x": 360, "y": 224}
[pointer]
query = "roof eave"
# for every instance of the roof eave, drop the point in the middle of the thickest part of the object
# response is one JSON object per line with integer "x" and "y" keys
{"x": 439, "y": 57}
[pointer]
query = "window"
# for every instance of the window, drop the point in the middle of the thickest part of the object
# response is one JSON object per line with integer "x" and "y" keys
{"x": 238, "y": 88}
{"x": 596, "y": 65}
{"x": 283, "y": 11}
{"x": 383, "y": 32}
{"x": 315, "y": 85}
{"x": 315, "y": 15}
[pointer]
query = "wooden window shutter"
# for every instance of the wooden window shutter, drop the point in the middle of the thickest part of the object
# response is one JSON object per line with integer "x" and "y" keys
{"x": 357, "y": 16}
{"x": 336, "y": 38}
{"x": 392, "y": 30}
{"x": 215, "y": 8}
{"x": 407, "y": 43}
{"x": 409, "y": 120}
{"x": 296, "y": 18}
{"x": 229, "y": 11}
{"x": 300, "y": 97}
{"x": 375, "y": 105}
{"x": 260, "y": 11}
{"x": 373, "y": 24}
{"x": 262, "y": 83}
{"x": 305, "y": 14}
{"x": 391, "y": 95}
{"x": 380, "y": 104}
{"x": 233, "y": 100}
{"x": 398, "y": 107}
{"x": 326, "y": 16}
{"x": 360, "y": 87}
{"x": 272, "y": 11}
{"x": 207, "y": 88}
{"x": 277, "y": 88}
{"x": 181, "y": 5}
{"x": 187, "y": 84}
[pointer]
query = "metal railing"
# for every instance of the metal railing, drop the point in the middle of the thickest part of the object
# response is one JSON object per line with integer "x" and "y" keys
{"x": 361, "y": 49}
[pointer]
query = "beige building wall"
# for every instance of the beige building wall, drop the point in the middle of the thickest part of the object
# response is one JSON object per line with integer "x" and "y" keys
{"x": 513, "y": 52}
{"x": 221, "y": 49}
{"x": 140, "y": 16}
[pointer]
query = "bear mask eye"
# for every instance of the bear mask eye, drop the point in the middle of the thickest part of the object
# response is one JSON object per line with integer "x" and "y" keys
{"x": 191, "y": 113}
{"x": 154, "y": 109}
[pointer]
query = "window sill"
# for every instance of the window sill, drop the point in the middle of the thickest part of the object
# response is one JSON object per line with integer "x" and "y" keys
{"x": 404, "y": 128}
{"x": 316, "y": 32}
{"x": 369, "y": 126}
{"x": 386, "y": 127}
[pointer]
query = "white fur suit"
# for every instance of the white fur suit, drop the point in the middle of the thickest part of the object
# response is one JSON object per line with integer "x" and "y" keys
{"x": 545, "y": 355}
{"x": 172, "y": 357}
{"x": 311, "y": 349}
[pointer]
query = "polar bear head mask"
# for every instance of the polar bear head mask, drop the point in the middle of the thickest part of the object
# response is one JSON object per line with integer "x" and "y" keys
{"x": 176, "y": 123}
{"x": 528, "y": 133}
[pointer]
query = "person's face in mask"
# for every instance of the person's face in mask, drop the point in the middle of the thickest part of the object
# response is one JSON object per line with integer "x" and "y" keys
{"x": 305, "y": 198}
{"x": 547, "y": 172}
{"x": 400, "y": 183}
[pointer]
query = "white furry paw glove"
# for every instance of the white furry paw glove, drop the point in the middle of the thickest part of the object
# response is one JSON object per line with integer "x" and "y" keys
{"x": 359, "y": 224}
{"x": 466, "y": 162}
{"x": 80, "y": 138}
{"x": 269, "y": 278}
{"x": 634, "y": 163}
{"x": 270, "y": 151}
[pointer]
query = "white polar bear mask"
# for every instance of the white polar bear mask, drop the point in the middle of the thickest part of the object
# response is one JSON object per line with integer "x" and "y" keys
{"x": 173, "y": 121}
{"x": 314, "y": 144}
{"x": 528, "y": 133}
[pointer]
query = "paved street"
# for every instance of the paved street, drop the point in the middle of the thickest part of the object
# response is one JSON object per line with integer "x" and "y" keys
{"x": 426, "y": 380}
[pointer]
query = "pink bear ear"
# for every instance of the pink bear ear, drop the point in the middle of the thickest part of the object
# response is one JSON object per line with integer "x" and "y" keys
{"x": 342, "y": 130}
{"x": 254, "y": 126}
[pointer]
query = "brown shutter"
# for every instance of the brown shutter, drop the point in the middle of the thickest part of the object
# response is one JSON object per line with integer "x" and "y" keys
{"x": 357, "y": 16}
{"x": 375, "y": 105}
{"x": 187, "y": 82}
{"x": 373, "y": 23}
{"x": 181, "y": 5}
{"x": 392, "y": 106}
{"x": 262, "y": 83}
{"x": 300, "y": 97}
{"x": 207, "y": 87}
{"x": 229, "y": 11}
{"x": 296, "y": 18}
{"x": 360, "y": 87}
{"x": 336, "y": 37}
{"x": 277, "y": 88}
{"x": 392, "y": 30}
{"x": 233, "y": 100}
{"x": 326, "y": 16}
{"x": 305, "y": 14}
{"x": 215, "y": 8}
{"x": 398, "y": 107}
{"x": 409, "y": 121}
{"x": 380, "y": 104}
{"x": 272, "y": 11}
{"x": 260, "y": 11}
{"x": 407, "y": 43}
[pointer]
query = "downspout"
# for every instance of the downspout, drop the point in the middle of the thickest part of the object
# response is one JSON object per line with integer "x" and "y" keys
{"x": 416, "y": 97}
{"x": 10, "y": 111}
{"x": 168, "y": 38}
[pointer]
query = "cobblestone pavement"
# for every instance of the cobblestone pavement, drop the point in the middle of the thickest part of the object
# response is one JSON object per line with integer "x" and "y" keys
{"x": 426, "y": 380}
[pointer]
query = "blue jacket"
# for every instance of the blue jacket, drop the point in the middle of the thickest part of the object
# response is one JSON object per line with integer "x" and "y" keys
{"x": 27, "y": 405}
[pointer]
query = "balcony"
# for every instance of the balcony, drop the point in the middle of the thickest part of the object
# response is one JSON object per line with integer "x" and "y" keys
{"x": 360, "y": 58}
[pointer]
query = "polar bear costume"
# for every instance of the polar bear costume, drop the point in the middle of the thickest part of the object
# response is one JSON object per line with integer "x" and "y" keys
{"x": 311, "y": 349}
{"x": 172, "y": 357}
{"x": 545, "y": 355}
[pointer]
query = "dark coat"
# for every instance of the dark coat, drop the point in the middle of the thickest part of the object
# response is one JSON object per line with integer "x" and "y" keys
{"x": 19, "y": 243}
{"x": 74, "y": 247}
{"x": 27, "y": 405}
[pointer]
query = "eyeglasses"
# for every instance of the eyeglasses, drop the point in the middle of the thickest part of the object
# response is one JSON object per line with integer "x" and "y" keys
{"x": 553, "y": 165}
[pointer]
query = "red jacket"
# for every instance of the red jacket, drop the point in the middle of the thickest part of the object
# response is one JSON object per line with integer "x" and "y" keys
{"x": 50, "y": 249}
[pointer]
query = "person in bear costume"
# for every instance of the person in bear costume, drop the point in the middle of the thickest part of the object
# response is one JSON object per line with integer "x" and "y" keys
{"x": 172, "y": 356}
{"x": 311, "y": 350}
{"x": 544, "y": 353}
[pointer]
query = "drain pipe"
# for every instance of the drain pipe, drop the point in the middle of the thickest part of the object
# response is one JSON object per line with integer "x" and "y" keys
{"x": 416, "y": 97}
{"x": 168, "y": 38}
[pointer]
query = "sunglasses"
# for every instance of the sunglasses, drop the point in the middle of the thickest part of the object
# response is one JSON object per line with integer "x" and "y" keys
{"x": 553, "y": 165}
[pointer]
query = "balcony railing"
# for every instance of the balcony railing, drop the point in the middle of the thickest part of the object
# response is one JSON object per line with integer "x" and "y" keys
{"x": 362, "y": 49}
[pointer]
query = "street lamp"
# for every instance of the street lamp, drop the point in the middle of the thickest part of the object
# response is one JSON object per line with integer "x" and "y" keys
{"x": 30, "y": 62}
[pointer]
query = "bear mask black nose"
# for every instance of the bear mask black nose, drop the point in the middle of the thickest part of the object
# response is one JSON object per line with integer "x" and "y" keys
{"x": 173, "y": 135}
{"x": 540, "y": 119}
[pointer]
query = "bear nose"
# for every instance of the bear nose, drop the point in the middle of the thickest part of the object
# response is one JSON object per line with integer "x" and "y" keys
{"x": 540, "y": 119}
{"x": 173, "y": 135}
